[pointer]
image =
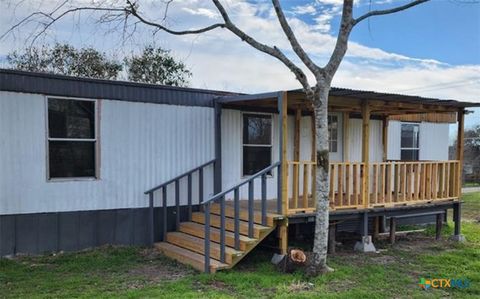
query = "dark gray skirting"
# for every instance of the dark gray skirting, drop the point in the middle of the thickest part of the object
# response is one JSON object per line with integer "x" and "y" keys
{"x": 70, "y": 231}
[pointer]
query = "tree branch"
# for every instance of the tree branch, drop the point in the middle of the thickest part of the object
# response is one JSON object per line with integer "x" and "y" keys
{"x": 388, "y": 11}
{"x": 272, "y": 51}
{"x": 297, "y": 48}
{"x": 132, "y": 9}
{"x": 341, "y": 45}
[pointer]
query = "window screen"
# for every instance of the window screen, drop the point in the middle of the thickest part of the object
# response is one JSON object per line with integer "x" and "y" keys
{"x": 257, "y": 142}
{"x": 71, "y": 138}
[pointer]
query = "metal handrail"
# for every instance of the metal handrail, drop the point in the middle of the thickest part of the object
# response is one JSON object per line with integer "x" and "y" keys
{"x": 163, "y": 186}
{"x": 236, "y": 202}
{"x": 179, "y": 177}
{"x": 251, "y": 178}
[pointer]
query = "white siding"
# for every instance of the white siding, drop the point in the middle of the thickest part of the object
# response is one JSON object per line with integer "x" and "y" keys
{"x": 338, "y": 156}
{"x": 232, "y": 154}
{"x": 232, "y": 129}
{"x": 355, "y": 140}
{"x": 142, "y": 145}
{"x": 434, "y": 139}
{"x": 393, "y": 149}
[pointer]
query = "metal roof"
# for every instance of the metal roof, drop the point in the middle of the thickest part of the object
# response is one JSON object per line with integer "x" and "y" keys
{"x": 384, "y": 96}
{"x": 59, "y": 85}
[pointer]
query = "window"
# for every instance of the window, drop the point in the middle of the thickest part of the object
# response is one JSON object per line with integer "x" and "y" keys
{"x": 257, "y": 142}
{"x": 409, "y": 142}
{"x": 71, "y": 138}
{"x": 333, "y": 133}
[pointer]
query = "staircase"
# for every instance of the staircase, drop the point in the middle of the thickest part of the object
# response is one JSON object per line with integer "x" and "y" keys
{"x": 186, "y": 245}
{"x": 224, "y": 231}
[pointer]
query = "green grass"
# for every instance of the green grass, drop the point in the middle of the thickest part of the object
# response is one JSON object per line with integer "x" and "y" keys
{"x": 131, "y": 272}
{"x": 471, "y": 206}
{"x": 472, "y": 184}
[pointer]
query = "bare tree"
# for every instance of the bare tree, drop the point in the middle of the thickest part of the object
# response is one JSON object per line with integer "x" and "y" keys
{"x": 317, "y": 92}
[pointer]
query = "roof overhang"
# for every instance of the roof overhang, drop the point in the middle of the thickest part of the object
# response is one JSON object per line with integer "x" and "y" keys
{"x": 349, "y": 100}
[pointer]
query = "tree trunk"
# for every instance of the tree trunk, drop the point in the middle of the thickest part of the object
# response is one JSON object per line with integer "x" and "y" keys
{"x": 318, "y": 263}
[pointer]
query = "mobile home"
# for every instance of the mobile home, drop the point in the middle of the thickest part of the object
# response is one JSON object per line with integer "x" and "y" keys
{"x": 206, "y": 175}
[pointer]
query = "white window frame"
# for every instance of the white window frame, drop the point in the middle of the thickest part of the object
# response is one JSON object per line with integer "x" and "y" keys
{"x": 418, "y": 141}
{"x": 330, "y": 139}
{"x": 97, "y": 105}
{"x": 242, "y": 175}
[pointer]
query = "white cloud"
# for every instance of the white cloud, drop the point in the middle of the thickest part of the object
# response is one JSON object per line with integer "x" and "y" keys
{"x": 304, "y": 9}
{"x": 209, "y": 13}
{"x": 220, "y": 60}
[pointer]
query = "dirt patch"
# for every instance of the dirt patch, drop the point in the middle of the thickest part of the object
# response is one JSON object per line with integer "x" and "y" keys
{"x": 419, "y": 243}
{"x": 300, "y": 286}
{"x": 154, "y": 269}
{"x": 342, "y": 286}
{"x": 216, "y": 285}
{"x": 383, "y": 259}
{"x": 158, "y": 272}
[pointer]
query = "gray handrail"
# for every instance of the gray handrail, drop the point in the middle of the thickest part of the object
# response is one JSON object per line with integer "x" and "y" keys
{"x": 251, "y": 178}
{"x": 163, "y": 186}
{"x": 220, "y": 197}
{"x": 179, "y": 177}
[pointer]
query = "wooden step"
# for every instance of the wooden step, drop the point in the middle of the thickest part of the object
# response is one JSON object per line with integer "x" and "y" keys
{"x": 257, "y": 215}
{"x": 189, "y": 257}
{"x": 258, "y": 230}
{"x": 198, "y": 245}
{"x": 198, "y": 230}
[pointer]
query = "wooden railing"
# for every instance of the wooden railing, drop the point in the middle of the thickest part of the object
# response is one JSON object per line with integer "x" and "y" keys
{"x": 357, "y": 185}
{"x": 301, "y": 175}
{"x": 347, "y": 185}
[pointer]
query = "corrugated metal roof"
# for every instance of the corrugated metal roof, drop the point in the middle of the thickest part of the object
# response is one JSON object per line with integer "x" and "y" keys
{"x": 59, "y": 85}
{"x": 384, "y": 96}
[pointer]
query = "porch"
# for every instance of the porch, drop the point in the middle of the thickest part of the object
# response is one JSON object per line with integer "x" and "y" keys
{"x": 355, "y": 182}
{"x": 224, "y": 227}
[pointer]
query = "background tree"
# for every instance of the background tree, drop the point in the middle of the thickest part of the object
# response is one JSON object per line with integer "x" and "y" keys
{"x": 471, "y": 155}
{"x": 317, "y": 92}
{"x": 152, "y": 65}
{"x": 64, "y": 59}
{"x": 156, "y": 66}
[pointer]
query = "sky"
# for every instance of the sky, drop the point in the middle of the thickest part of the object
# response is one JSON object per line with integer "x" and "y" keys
{"x": 430, "y": 50}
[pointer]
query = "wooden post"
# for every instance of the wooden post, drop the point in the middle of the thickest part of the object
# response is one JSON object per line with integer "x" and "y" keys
{"x": 385, "y": 138}
{"x": 283, "y": 237}
{"x": 284, "y": 141}
{"x": 366, "y": 151}
{"x": 460, "y": 145}
{"x": 346, "y": 136}
{"x": 296, "y": 157}
{"x": 393, "y": 228}
{"x": 314, "y": 158}
{"x": 283, "y": 229}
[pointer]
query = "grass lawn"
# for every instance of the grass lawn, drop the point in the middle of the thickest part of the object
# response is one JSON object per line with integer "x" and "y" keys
{"x": 136, "y": 272}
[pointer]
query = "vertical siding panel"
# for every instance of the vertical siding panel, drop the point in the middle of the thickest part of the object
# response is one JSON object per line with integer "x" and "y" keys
{"x": 138, "y": 150}
{"x": 394, "y": 134}
{"x": 434, "y": 138}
